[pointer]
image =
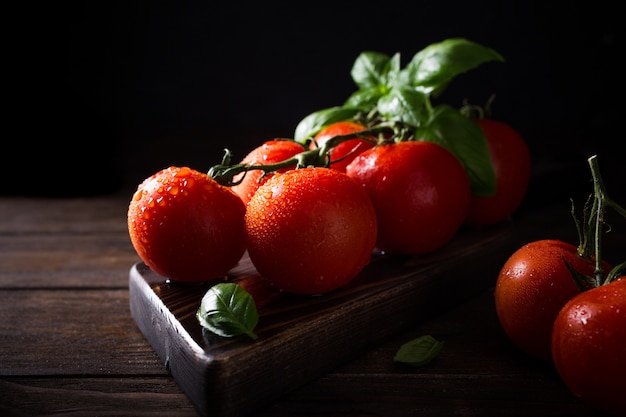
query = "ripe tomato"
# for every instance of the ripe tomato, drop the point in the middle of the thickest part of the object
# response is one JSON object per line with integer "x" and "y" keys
{"x": 531, "y": 288}
{"x": 511, "y": 160}
{"x": 420, "y": 192}
{"x": 270, "y": 152}
{"x": 342, "y": 154}
{"x": 185, "y": 226}
{"x": 310, "y": 230}
{"x": 589, "y": 346}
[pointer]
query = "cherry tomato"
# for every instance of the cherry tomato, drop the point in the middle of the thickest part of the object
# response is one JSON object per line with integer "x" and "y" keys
{"x": 270, "y": 152}
{"x": 185, "y": 226}
{"x": 531, "y": 288}
{"x": 511, "y": 160}
{"x": 342, "y": 154}
{"x": 589, "y": 346}
{"x": 420, "y": 192}
{"x": 310, "y": 230}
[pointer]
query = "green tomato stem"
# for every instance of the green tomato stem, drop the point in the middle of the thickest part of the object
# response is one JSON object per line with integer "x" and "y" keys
{"x": 601, "y": 202}
{"x": 224, "y": 173}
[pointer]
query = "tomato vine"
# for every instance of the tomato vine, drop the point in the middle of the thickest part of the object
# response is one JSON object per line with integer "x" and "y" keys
{"x": 590, "y": 234}
{"x": 225, "y": 172}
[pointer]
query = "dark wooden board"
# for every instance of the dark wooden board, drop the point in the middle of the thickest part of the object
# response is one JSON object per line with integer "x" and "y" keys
{"x": 301, "y": 338}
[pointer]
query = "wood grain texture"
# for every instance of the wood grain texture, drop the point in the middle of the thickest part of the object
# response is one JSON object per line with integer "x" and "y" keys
{"x": 69, "y": 332}
{"x": 69, "y": 344}
{"x": 298, "y": 335}
{"x": 92, "y": 396}
{"x": 478, "y": 373}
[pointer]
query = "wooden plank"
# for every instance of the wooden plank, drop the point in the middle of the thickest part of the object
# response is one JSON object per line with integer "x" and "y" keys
{"x": 71, "y": 332}
{"x": 62, "y": 260}
{"x": 89, "y": 396}
{"x": 24, "y": 215}
{"x": 64, "y": 242}
{"x": 302, "y": 338}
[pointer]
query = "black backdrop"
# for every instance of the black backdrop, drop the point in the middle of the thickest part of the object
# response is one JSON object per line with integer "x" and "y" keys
{"x": 106, "y": 93}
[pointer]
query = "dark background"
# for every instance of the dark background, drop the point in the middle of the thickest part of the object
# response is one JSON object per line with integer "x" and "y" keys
{"x": 107, "y": 93}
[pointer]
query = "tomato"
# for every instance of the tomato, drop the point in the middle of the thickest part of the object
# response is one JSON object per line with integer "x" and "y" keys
{"x": 511, "y": 161}
{"x": 342, "y": 154}
{"x": 589, "y": 346}
{"x": 310, "y": 230}
{"x": 185, "y": 226}
{"x": 531, "y": 288}
{"x": 269, "y": 152}
{"x": 420, "y": 192}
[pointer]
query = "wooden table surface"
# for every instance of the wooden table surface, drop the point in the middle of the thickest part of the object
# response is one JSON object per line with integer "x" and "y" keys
{"x": 69, "y": 346}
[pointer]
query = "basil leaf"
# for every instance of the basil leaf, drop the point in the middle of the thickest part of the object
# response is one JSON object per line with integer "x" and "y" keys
{"x": 418, "y": 352}
{"x": 370, "y": 69}
{"x": 432, "y": 68}
{"x": 403, "y": 103}
{"x": 228, "y": 310}
{"x": 315, "y": 121}
{"x": 365, "y": 99}
{"x": 465, "y": 139}
{"x": 375, "y": 74}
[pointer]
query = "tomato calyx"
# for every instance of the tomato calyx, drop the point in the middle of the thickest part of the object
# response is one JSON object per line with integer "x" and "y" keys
{"x": 474, "y": 111}
{"x": 590, "y": 233}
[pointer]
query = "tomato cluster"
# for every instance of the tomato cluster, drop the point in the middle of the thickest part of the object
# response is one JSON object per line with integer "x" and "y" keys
{"x": 565, "y": 305}
{"x": 388, "y": 170}
{"x": 309, "y": 215}
{"x": 533, "y": 285}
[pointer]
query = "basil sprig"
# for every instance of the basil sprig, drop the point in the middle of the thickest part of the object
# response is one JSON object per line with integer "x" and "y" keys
{"x": 228, "y": 310}
{"x": 404, "y": 95}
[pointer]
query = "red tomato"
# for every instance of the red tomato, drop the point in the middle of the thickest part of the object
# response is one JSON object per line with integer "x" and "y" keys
{"x": 310, "y": 230}
{"x": 511, "y": 160}
{"x": 185, "y": 226}
{"x": 342, "y": 154}
{"x": 531, "y": 288}
{"x": 270, "y": 152}
{"x": 420, "y": 192}
{"x": 589, "y": 346}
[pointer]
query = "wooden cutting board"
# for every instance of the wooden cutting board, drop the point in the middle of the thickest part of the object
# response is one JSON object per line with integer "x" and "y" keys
{"x": 301, "y": 338}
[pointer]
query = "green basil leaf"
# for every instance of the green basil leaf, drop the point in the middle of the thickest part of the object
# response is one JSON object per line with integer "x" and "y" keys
{"x": 392, "y": 70}
{"x": 370, "y": 69}
{"x": 364, "y": 99}
{"x": 418, "y": 352}
{"x": 465, "y": 139}
{"x": 314, "y": 122}
{"x": 403, "y": 103}
{"x": 432, "y": 68}
{"x": 228, "y": 310}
